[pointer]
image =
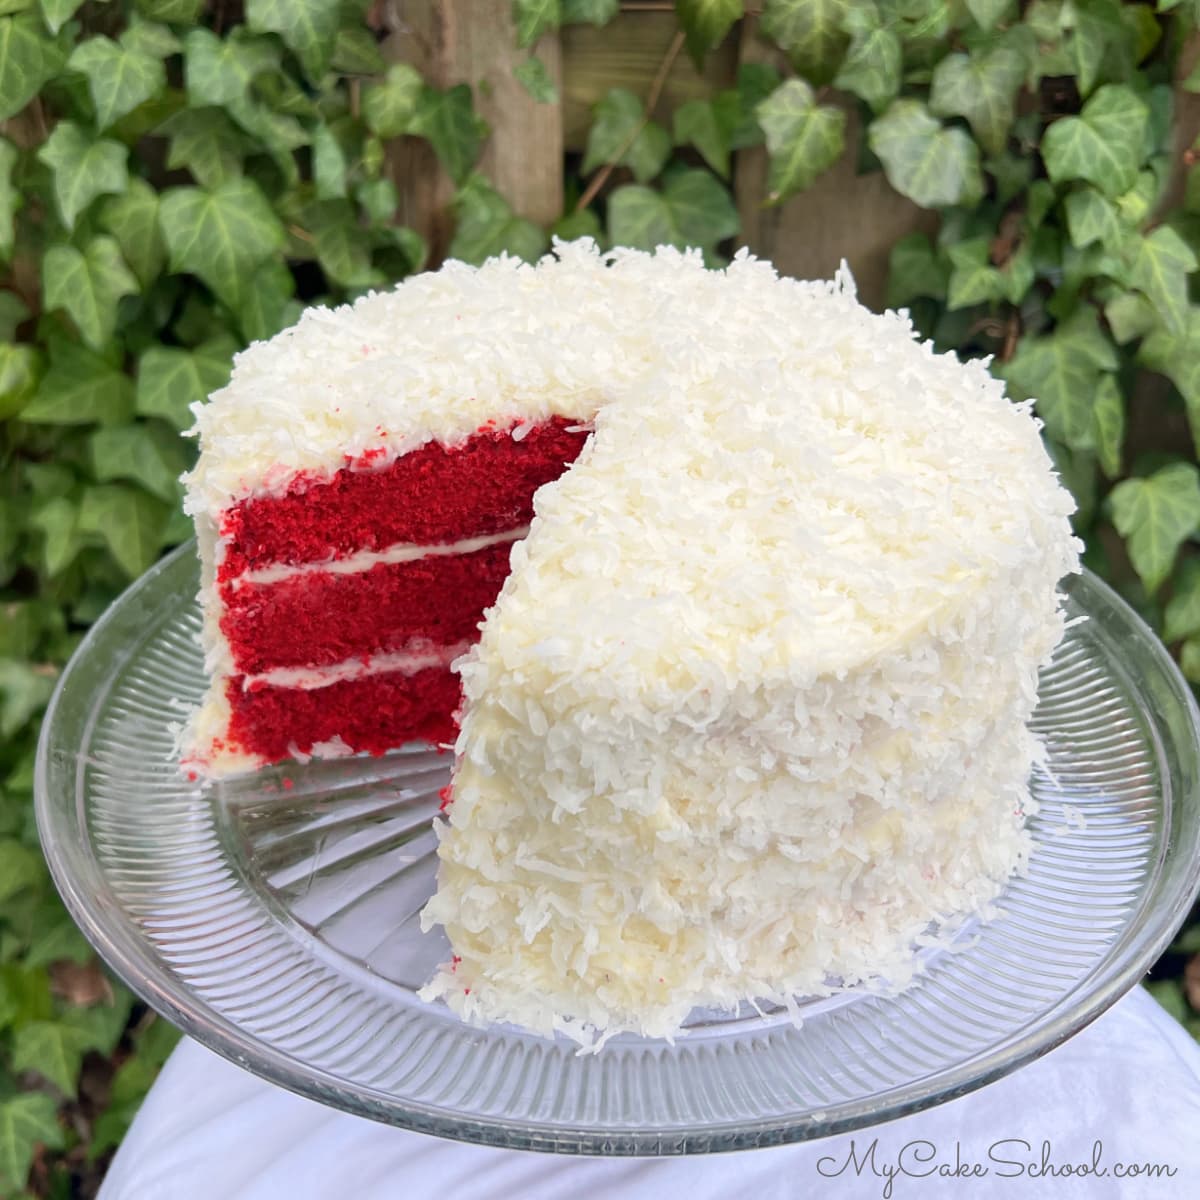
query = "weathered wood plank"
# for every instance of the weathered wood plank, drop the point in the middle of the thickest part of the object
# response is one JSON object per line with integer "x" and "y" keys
{"x": 474, "y": 42}
{"x": 627, "y": 52}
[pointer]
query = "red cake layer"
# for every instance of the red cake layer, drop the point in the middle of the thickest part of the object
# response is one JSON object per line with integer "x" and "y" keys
{"x": 376, "y": 713}
{"x": 435, "y": 494}
{"x": 319, "y": 618}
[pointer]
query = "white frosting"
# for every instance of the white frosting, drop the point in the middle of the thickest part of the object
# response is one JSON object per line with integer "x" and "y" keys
{"x": 365, "y": 560}
{"x": 750, "y": 710}
{"x": 408, "y": 662}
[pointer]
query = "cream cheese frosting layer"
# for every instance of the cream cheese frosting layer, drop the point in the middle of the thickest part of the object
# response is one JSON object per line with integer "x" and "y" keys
{"x": 364, "y": 560}
{"x": 410, "y": 661}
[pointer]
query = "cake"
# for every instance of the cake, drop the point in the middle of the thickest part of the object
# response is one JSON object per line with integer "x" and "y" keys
{"x": 729, "y": 594}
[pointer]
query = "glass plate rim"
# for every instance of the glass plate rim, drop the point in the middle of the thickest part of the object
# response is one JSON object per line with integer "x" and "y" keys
{"x": 118, "y": 945}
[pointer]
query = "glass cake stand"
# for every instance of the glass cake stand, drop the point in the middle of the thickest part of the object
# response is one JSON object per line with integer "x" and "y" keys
{"x": 274, "y": 918}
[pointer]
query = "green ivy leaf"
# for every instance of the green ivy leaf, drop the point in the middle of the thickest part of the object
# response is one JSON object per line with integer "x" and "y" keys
{"x": 1155, "y": 515}
{"x": 973, "y": 279}
{"x": 146, "y": 454}
{"x": 267, "y": 306}
{"x": 388, "y": 107}
{"x": 1129, "y": 316}
{"x": 1098, "y": 30}
{"x": 147, "y": 37}
{"x": 170, "y": 380}
{"x": 219, "y": 71}
{"x": 705, "y": 23}
{"x": 487, "y": 226}
{"x": 535, "y": 79}
{"x": 583, "y": 224}
{"x": 308, "y": 29}
{"x": 379, "y": 200}
{"x": 810, "y": 32}
{"x": 1181, "y": 618}
{"x": 53, "y": 1050}
{"x": 620, "y": 128}
{"x": 355, "y": 52}
{"x": 12, "y": 313}
{"x": 56, "y": 13}
{"x": 988, "y": 13}
{"x": 693, "y": 209}
{"x": 100, "y": 1026}
{"x": 207, "y": 143}
{"x": 132, "y": 218}
{"x": 27, "y": 60}
{"x": 220, "y": 234}
{"x": 119, "y": 79}
{"x": 56, "y": 938}
{"x": 532, "y": 18}
{"x": 449, "y": 123}
{"x": 10, "y": 198}
{"x": 1159, "y": 270}
{"x": 1103, "y": 145}
{"x": 871, "y": 69}
{"x": 24, "y": 691}
{"x": 914, "y": 270}
{"x": 409, "y": 245}
{"x": 179, "y": 12}
{"x": 20, "y": 370}
{"x": 589, "y": 12}
{"x": 1091, "y": 217}
{"x": 1062, "y": 372}
{"x": 80, "y": 387}
{"x": 932, "y": 166}
{"x": 755, "y": 82}
{"x": 1189, "y": 660}
{"x": 26, "y": 1119}
{"x": 982, "y": 88}
{"x": 277, "y": 133}
{"x": 342, "y": 246}
{"x": 21, "y": 867}
{"x": 1177, "y": 356}
{"x": 703, "y": 124}
{"x": 1134, "y": 205}
{"x": 1108, "y": 425}
{"x": 129, "y": 522}
{"x": 803, "y": 137}
{"x": 328, "y": 164}
{"x": 88, "y": 285}
{"x": 83, "y": 168}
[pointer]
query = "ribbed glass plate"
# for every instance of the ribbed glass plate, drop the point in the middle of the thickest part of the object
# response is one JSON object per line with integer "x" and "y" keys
{"x": 275, "y": 918}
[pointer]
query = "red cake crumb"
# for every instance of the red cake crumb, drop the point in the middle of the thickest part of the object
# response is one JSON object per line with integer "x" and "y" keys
{"x": 318, "y": 619}
{"x": 436, "y": 494}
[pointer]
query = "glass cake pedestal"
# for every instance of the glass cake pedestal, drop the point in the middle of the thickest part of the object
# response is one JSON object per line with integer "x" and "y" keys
{"x": 274, "y": 918}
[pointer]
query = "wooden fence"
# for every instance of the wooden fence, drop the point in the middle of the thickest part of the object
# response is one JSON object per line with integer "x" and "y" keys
{"x": 844, "y": 213}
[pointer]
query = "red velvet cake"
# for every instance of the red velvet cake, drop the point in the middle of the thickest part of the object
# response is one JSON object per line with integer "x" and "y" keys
{"x": 342, "y": 601}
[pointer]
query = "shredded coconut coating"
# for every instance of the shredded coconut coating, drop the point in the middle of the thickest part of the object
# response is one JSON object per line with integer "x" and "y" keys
{"x": 750, "y": 711}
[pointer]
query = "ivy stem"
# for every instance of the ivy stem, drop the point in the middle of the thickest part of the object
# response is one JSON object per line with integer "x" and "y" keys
{"x": 602, "y": 176}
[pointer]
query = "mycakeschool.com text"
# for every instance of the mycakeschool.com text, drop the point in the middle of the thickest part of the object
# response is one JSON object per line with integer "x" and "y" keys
{"x": 908, "y": 1163}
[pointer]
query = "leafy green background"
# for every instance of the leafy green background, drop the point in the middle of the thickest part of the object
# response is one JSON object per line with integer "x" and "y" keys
{"x": 177, "y": 178}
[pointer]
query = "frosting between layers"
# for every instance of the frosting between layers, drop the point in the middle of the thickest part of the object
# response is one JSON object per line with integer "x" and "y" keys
{"x": 408, "y": 662}
{"x": 364, "y": 560}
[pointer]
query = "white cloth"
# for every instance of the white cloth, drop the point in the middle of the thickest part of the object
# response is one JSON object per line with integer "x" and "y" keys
{"x": 1130, "y": 1082}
